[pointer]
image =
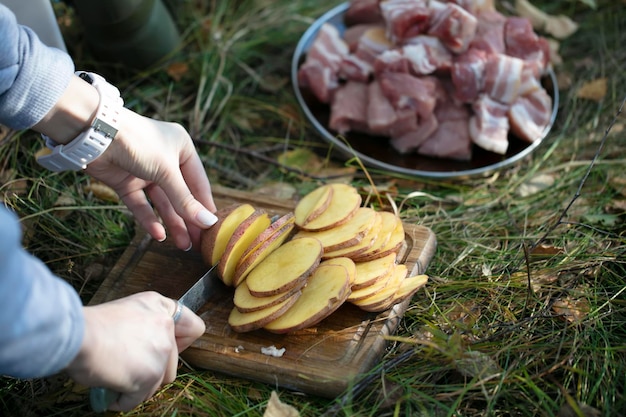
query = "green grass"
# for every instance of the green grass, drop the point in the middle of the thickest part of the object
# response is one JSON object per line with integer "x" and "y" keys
{"x": 489, "y": 335}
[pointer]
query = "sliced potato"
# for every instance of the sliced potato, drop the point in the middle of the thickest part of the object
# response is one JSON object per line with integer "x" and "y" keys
{"x": 245, "y": 302}
{"x": 246, "y": 322}
{"x": 313, "y": 204}
{"x": 367, "y": 273}
{"x": 214, "y": 239}
{"x": 325, "y": 291}
{"x": 348, "y": 264}
{"x": 393, "y": 244}
{"x": 247, "y": 231}
{"x": 409, "y": 287}
{"x": 344, "y": 202}
{"x": 384, "y": 297}
{"x": 372, "y": 289}
{"x": 267, "y": 242}
{"x": 365, "y": 243}
{"x": 346, "y": 235}
{"x": 285, "y": 267}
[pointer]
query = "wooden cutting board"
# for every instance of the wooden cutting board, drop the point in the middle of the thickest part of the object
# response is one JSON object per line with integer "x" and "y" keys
{"x": 323, "y": 360}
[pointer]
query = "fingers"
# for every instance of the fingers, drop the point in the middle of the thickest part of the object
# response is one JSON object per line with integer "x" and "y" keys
{"x": 175, "y": 224}
{"x": 189, "y": 328}
{"x": 143, "y": 211}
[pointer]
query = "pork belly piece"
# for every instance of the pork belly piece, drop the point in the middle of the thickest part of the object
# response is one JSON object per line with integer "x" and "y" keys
{"x": 348, "y": 111}
{"x": 468, "y": 75}
{"x": 319, "y": 72}
{"x": 426, "y": 54}
{"x": 489, "y": 125}
{"x": 451, "y": 138}
{"x": 354, "y": 68}
{"x": 319, "y": 79}
{"x": 522, "y": 42}
{"x": 530, "y": 114}
{"x": 353, "y": 34}
{"x": 363, "y": 11}
{"x": 410, "y": 140}
{"x": 372, "y": 43}
{"x": 454, "y": 26}
{"x": 392, "y": 60}
{"x": 381, "y": 116}
{"x": 405, "y": 91}
{"x": 328, "y": 47}
{"x": 405, "y": 19}
{"x": 490, "y": 32}
{"x": 530, "y": 81}
{"x": 503, "y": 77}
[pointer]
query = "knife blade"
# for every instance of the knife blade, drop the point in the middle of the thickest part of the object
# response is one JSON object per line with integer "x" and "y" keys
{"x": 194, "y": 298}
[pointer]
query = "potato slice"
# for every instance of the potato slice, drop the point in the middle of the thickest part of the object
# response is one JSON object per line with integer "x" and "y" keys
{"x": 346, "y": 235}
{"x": 409, "y": 286}
{"x": 372, "y": 289}
{"x": 241, "y": 238}
{"x": 367, "y": 273}
{"x": 313, "y": 204}
{"x": 348, "y": 264}
{"x": 325, "y": 291}
{"x": 247, "y": 303}
{"x": 384, "y": 297}
{"x": 285, "y": 267}
{"x": 214, "y": 239}
{"x": 393, "y": 244}
{"x": 267, "y": 242}
{"x": 246, "y": 322}
{"x": 365, "y": 243}
{"x": 343, "y": 205}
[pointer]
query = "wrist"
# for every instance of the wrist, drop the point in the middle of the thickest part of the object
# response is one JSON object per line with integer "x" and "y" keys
{"x": 72, "y": 114}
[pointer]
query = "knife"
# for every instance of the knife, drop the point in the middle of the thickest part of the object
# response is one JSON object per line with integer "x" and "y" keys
{"x": 195, "y": 297}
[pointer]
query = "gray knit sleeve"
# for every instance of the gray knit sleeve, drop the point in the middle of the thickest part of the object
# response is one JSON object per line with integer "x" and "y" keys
{"x": 33, "y": 76}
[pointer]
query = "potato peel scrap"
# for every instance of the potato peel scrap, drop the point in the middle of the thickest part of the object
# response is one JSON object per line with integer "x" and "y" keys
{"x": 276, "y": 408}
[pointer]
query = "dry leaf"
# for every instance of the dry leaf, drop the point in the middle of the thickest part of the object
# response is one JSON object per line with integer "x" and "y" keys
{"x": 578, "y": 410}
{"x": 535, "y": 184}
{"x": 572, "y": 310}
{"x": 278, "y": 190}
{"x": 593, "y": 90}
{"x": 177, "y": 70}
{"x": 560, "y": 26}
{"x": 102, "y": 192}
{"x": 475, "y": 364}
{"x": 275, "y": 408}
{"x": 546, "y": 251}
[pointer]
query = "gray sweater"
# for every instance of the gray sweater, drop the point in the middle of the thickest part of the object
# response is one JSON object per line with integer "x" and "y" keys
{"x": 41, "y": 318}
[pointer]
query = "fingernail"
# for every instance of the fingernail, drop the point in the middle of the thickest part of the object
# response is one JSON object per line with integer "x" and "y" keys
{"x": 206, "y": 218}
{"x": 189, "y": 247}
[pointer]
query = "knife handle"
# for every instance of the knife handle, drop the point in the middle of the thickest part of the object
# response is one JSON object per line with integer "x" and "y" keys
{"x": 101, "y": 398}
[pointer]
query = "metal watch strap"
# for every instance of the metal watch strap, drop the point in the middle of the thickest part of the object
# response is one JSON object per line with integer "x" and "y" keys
{"x": 91, "y": 143}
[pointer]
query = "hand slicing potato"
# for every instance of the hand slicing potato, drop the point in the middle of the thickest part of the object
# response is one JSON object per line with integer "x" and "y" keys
{"x": 292, "y": 273}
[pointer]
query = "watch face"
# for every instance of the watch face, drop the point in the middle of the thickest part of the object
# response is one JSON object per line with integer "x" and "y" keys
{"x": 86, "y": 77}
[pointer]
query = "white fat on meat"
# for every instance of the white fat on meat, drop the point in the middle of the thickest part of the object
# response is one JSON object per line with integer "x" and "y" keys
{"x": 468, "y": 75}
{"x": 489, "y": 125}
{"x": 529, "y": 115}
{"x": 405, "y": 18}
{"x": 372, "y": 43}
{"x": 454, "y": 26}
{"x": 522, "y": 42}
{"x": 503, "y": 76}
{"x": 426, "y": 54}
{"x": 354, "y": 68}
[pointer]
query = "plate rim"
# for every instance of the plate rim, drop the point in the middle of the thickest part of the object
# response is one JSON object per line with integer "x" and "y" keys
{"x": 302, "y": 47}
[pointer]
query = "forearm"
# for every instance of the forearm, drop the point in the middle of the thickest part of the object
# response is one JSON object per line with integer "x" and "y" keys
{"x": 41, "y": 316}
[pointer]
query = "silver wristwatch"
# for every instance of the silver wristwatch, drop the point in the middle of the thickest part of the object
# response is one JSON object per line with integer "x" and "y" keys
{"x": 91, "y": 143}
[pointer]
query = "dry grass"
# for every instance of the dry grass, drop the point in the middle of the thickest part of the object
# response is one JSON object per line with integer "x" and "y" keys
{"x": 501, "y": 329}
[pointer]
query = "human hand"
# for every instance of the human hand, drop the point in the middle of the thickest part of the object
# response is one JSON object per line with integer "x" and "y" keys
{"x": 158, "y": 159}
{"x": 131, "y": 346}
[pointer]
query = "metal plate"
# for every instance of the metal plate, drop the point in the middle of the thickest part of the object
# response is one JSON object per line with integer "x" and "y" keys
{"x": 377, "y": 153}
